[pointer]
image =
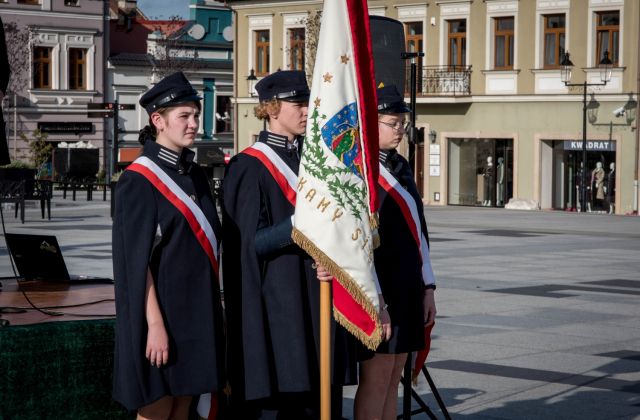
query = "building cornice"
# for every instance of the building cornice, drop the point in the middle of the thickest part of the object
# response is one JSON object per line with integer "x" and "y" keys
{"x": 45, "y": 14}
{"x": 272, "y": 4}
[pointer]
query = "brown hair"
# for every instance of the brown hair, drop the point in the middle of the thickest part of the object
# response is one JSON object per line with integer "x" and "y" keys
{"x": 262, "y": 111}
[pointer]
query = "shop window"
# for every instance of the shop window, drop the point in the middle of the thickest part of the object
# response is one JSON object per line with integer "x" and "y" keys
{"x": 77, "y": 68}
{"x": 503, "y": 43}
{"x": 457, "y": 42}
{"x": 262, "y": 45}
{"x": 480, "y": 172}
{"x": 223, "y": 114}
{"x": 608, "y": 36}
{"x": 296, "y": 48}
{"x": 554, "y": 36}
{"x": 41, "y": 67}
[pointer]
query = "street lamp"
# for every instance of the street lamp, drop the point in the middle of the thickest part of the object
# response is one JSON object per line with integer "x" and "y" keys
{"x": 605, "y": 76}
{"x": 251, "y": 82}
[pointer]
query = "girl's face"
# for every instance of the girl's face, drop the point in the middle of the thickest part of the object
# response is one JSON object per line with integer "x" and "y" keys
{"x": 177, "y": 128}
{"x": 391, "y": 130}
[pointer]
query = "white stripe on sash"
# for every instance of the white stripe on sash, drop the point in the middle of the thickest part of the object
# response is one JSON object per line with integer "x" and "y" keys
{"x": 179, "y": 192}
{"x": 290, "y": 176}
{"x": 427, "y": 271}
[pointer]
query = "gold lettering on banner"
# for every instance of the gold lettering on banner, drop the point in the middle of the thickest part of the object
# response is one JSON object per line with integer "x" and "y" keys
{"x": 324, "y": 204}
{"x": 301, "y": 183}
{"x": 336, "y": 215}
{"x": 365, "y": 242}
{"x": 310, "y": 194}
{"x": 355, "y": 235}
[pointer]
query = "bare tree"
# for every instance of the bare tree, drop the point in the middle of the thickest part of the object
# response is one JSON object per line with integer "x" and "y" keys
{"x": 18, "y": 41}
{"x": 171, "y": 53}
{"x": 312, "y": 25}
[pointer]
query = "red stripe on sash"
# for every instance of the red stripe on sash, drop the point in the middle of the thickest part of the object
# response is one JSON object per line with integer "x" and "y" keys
{"x": 275, "y": 172}
{"x": 404, "y": 208}
{"x": 201, "y": 236}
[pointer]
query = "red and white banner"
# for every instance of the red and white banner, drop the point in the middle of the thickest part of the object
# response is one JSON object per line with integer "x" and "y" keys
{"x": 338, "y": 176}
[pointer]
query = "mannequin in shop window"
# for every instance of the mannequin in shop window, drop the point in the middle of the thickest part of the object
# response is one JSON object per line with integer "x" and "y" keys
{"x": 610, "y": 187}
{"x": 488, "y": 182}
{"x": 597, "y": 186}
{"x": 500, "y": 182}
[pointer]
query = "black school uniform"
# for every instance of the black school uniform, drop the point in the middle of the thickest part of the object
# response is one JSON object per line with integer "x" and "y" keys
{"x": 272, "y": 299}
{"x": 399, "y": 265}
{"x": 149, "y": 231}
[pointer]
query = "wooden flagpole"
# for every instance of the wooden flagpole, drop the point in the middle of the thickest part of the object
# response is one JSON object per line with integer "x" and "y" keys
{"x": 325, "y": 350}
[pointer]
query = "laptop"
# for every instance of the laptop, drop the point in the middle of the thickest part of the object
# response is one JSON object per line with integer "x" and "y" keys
{"x": 39, "y": 257}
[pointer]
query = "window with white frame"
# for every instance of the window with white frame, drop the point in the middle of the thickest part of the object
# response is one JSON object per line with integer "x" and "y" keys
{"x": 457, "y": 42}
{"x": 77, "y": 69}
{"x": 259, "y": 44}
{"x": 503, "y": 42}
{"x": 262, "y": 46}
{"x": 554, "y": 40}
{"x": 42, "y": 67}
{"x": 608, "y": 36}
{"x": 296, "y": 39}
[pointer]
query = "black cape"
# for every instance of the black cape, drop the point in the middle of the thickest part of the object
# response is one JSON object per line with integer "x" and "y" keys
{"x": 399, "y": 265}
{"x": 149, "y": 231}
{"x": 272, "y": 303}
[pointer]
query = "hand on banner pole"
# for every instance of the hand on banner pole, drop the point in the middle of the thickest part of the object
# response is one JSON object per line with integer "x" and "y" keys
{"x": 385, "y": 319}
{"x": 322, "y": 273}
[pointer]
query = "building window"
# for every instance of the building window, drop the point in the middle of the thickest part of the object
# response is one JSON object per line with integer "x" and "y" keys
{"x": 554, "y": 35}
{"x": 262, "y": 53}
{"x": 42, "y": 68}
{"x": 457, "y": 42}
{"x": 608, "y": 36}
{"x": 296, "y": 49}
{"x": 73, "y": 3}
{"x": 77, "y": 68}
{"x": 503, "y": 43}
{"x": 413, "y": 43}
{"x": 32, "y": 2}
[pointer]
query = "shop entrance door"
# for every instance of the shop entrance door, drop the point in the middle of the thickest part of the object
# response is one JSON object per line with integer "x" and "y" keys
{"x": 480, "y": 172}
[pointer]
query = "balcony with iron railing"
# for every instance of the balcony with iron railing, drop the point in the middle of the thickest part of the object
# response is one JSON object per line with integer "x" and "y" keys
{"x": 441, "y": 81}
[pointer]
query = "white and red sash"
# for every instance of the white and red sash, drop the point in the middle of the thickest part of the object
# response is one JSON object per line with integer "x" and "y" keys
{"x": 409, "y": 209}
{"x": 197, "y": 220}
{"x": 281, "y": 172}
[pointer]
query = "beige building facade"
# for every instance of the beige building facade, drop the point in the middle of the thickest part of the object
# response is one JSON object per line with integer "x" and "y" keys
{"x": 497, "y": 120}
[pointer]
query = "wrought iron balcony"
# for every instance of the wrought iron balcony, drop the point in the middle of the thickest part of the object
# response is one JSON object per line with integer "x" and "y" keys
{"x": 441, "y": 81}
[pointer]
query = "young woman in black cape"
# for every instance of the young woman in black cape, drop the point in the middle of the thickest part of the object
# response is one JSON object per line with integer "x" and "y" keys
{"x": 169, "y": 341}
{"x": 407, "y": 287}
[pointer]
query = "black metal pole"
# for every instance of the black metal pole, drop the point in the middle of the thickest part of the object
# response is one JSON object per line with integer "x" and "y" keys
{"x": 114, "y": 144}
{"x": 412, "y": 130}
{"x": 584, "y": 148}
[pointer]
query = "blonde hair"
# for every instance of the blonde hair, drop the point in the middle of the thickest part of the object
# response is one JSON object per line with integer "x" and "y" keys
{"x": 265, "y": 108}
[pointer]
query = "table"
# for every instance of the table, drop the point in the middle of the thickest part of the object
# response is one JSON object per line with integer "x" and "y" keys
{"x": 58, "y": 367}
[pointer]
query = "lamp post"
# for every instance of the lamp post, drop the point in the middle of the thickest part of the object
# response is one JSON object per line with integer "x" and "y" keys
{"x": 251, "y": 82}
{"x": 565, "y": 75}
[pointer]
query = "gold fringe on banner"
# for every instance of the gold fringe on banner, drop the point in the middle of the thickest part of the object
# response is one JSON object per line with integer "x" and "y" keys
{"x": 352, "y": 287}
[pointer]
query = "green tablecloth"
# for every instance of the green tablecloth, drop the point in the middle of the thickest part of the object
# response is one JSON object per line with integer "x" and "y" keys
{"x": 58, "y": 370}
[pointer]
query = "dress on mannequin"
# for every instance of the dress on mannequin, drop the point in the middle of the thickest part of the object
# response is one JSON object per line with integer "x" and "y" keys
{"x": 597, "y": 186}
{"x": 500, "y": 182}
{"x": 488, "y": 182}
{"x": 610, "y": 188}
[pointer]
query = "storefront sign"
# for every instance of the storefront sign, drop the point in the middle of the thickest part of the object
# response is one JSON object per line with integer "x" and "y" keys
{"x": 65, "y": 127}
{"x": 602, "y": 145}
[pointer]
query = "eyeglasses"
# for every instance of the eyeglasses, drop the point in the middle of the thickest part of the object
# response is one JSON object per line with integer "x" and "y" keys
{"x": 397, "y": 126}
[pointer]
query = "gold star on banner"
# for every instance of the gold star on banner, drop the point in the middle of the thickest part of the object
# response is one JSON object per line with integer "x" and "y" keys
{"x": 327, "y": 77}
{"x": 344, "y": 59}
{"x": 317, "y": 102}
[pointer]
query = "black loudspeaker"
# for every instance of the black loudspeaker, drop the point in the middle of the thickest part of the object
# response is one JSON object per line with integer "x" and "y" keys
{"x": 387, "y": 42}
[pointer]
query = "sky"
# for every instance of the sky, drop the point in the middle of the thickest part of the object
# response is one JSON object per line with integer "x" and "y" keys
{"x": 164, "y": 9}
